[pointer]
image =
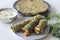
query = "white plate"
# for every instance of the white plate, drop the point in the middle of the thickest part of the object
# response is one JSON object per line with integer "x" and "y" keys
{"x": 32, "y": 36}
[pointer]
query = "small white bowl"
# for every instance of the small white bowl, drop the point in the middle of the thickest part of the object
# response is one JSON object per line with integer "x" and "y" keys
{"x": 9, "y": 18}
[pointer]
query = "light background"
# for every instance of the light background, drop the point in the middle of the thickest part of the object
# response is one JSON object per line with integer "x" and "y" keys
{"x": 5, "y": 32}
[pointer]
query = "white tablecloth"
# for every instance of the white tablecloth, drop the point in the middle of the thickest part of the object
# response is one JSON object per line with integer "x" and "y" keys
{"x": 5, "y": 32}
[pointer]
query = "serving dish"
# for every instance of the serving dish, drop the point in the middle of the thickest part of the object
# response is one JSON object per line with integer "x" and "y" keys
{"x": 43, "y": 13}
{"x": 8, "y": 15}
{"x": 32, "y": 36}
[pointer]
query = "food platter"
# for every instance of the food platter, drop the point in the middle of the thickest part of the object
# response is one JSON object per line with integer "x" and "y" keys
{"x": 32, "y": 36}
{"x": 43, "y": 13}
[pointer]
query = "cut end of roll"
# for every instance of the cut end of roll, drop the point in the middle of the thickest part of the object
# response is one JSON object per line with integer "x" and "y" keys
{"x": 26, "y": 33}
{"x": 37, "y": 30}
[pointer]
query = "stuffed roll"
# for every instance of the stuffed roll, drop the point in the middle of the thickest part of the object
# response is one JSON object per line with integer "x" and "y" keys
{"x": 18, "y": 26}
{"x": 40, "y": 27}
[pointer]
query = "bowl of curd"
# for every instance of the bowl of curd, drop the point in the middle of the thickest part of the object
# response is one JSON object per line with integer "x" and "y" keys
{"x": 8, "y": 15}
